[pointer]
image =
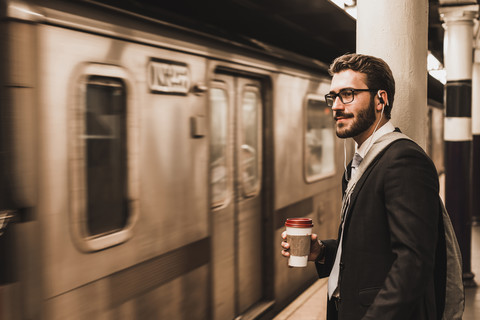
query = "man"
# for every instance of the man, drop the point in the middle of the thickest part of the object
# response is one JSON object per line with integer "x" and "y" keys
{"x": 385, "y": 266}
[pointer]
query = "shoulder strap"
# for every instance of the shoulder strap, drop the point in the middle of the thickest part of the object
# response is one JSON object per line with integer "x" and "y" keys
{"x": 377, "y": 147}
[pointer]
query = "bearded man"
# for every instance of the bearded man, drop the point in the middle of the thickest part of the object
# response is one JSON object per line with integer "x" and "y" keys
{"x": 383, "y": 265}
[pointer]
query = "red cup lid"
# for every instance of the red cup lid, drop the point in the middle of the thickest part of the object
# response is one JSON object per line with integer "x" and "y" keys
{"x": 299, "y": 223}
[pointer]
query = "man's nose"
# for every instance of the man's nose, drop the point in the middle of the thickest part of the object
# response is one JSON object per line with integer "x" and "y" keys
{"x": 337, "y": 104}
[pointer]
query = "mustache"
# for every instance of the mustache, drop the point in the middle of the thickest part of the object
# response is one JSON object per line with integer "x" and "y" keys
{"x": 341, "y": 114}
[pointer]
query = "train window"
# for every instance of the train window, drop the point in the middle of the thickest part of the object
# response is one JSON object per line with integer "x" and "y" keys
{"x": 218, "y": 145}
{"x": 319, "y": 139}
{"x": 104, "y": 156}
{"x": 250, "y": 141}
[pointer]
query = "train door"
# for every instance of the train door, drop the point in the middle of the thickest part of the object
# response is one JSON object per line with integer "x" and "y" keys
{"x": 236, "y": 195}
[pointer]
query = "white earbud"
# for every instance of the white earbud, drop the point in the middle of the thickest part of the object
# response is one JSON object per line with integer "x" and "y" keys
{"x": 380, "y": 98}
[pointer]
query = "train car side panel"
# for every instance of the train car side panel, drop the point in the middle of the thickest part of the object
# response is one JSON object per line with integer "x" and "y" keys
{"x": 166, "y": 172}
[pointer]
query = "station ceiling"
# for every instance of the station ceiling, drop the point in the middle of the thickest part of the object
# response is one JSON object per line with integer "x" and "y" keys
{"x": 314, "y": 28}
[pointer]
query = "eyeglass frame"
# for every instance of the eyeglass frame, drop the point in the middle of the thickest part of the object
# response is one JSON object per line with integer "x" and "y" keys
{"x": 333, "y": 96}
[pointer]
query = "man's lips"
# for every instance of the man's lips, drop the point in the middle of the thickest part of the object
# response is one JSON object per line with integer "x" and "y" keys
{"x": 341, "y": 117}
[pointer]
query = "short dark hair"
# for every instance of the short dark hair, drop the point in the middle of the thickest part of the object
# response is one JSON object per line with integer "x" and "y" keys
{"x": 379, "y": 75}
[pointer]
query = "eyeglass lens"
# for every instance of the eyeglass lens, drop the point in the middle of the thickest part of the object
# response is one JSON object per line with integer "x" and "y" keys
{"x": 346, "y": 96}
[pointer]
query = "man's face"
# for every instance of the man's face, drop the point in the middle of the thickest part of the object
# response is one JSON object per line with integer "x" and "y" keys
{"x": 354, "y": 119}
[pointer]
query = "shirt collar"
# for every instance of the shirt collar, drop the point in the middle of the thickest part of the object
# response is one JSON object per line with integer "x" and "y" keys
{"x": 367, "y": 144}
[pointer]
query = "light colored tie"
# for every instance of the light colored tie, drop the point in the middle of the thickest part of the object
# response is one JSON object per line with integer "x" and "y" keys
{"x": 355, "y": 163}
{"x": 333, "y": 279}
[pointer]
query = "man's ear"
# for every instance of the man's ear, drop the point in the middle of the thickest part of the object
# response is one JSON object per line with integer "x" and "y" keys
{"x": 381, "y": 104}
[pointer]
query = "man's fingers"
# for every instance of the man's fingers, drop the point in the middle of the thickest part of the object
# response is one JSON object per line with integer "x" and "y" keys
{"x": 285, "y": 253}
{"x": 285, "y": 246}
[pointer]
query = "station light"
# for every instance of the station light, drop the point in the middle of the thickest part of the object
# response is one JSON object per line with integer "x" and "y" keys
{"x": 350, "y": 6}
{"x": 435, "y": 68}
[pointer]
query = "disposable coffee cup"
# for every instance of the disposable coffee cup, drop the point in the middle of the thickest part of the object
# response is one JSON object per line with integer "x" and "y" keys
{"x": 299, "y": 231}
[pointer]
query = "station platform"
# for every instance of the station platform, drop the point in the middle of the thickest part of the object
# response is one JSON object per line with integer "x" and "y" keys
{"x": 311, "y": 304}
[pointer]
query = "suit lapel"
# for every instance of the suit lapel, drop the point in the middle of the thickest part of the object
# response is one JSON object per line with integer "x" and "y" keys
{"x": 356, "y": 190}
{"x": 373, "y": 156}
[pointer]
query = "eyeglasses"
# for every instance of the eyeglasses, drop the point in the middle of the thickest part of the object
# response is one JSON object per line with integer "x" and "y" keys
{"x": 345, "y": 95}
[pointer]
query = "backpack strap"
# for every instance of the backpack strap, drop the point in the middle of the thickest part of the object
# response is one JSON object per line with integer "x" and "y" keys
{"x": 377, "y": 148}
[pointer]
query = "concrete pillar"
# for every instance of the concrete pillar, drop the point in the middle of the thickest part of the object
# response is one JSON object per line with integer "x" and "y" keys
{"x": 476, "y": 137}
{"x": 401, "y": 39}
{"x": 458, "y": 60}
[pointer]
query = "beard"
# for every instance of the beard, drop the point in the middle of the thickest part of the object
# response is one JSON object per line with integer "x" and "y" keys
{"x": 362, "y": 121}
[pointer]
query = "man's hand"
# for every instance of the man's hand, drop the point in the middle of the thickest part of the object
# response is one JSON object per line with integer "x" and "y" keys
{"x": 315, "y": 247}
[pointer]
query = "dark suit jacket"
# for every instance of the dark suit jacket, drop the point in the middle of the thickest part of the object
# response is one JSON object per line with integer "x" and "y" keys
{"x": 388, "y": 268}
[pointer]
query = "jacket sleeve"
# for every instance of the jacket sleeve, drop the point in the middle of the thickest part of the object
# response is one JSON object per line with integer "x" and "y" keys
{"x": 323, "y": 269}
{"x": 412, "y": 208}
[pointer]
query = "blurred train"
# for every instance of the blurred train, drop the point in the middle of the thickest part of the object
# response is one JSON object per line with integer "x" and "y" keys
{"x": 147, "y": 169}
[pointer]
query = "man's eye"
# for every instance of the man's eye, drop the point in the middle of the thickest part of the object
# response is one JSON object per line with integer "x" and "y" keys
{"x": 346, "y": 94}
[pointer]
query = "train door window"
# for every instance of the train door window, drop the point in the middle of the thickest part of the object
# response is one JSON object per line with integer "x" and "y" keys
{"x": 105, "y": 155}
{"x": 250, "y": 140}
{"x": 103, "y": 158}
{"x": 319, "y": 139}
{"x": 218, "y": 145}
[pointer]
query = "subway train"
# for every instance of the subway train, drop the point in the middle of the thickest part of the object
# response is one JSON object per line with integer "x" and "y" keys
{"x": 147, "y": 168}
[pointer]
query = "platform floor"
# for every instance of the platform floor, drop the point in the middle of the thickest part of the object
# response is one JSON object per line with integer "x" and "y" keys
{"x": 311, "y": 304}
